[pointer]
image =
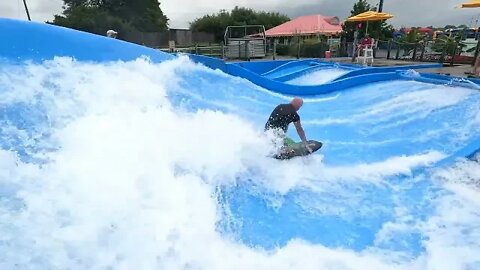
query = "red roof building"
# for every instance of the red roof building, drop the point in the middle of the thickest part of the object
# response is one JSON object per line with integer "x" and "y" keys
{"x": 306, "y": 26}
{"x": 424, "y": 30}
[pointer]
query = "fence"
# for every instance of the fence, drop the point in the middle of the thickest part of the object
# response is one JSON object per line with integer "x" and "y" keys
{"x": 181, "y": 37}
{"x": 245, "y": 49}
{"x": 428, "y": 51}
{"x": 300, "y": 49}
{"x": 425, "y": 51}
{"x": 217, "y": 50}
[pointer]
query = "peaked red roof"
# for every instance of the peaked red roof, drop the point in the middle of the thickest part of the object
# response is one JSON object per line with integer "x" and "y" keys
{"x": 307, "y": 25}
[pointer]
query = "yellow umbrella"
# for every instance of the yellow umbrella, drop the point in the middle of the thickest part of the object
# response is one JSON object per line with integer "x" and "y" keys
{"x": 470, "y": 4}
{"x": 370, "y": 16}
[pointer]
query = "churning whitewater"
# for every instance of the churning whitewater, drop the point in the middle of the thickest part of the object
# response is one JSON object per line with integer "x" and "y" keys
{"x": 136, "y": 165}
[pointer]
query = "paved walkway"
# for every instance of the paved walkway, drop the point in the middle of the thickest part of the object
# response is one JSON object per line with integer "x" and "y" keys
{"x": 458, "y": 71}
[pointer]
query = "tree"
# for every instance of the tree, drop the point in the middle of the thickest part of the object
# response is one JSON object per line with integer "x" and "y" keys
{"x": 124, "y": 16}
{"x": 450, "y": 45}
{"x": 409, "y": 41}
{"x": 462, "y": 26}
{"x": 376, "y": 29}
{"x": 217, "y": 23}
{"x": 349, "y": 27}
{"x": 450, "y": 26}
{"x": 145, "y": 15}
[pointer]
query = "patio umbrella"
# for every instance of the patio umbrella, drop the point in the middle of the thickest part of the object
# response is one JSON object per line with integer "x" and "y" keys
{"x": 470, "y": 4}
{"x": 370, "y": 16}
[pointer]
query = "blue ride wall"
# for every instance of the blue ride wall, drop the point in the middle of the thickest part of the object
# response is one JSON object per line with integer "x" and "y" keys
{"x": 22, "y": 40}
{"x": 28, "y": 41}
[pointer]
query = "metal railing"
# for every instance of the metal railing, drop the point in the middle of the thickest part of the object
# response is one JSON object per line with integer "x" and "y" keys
{"x": 217, "y": 51}
{"x": 245, "y": 41}
{"x": 423, "y": 51}
{"x": 242, "y": 49}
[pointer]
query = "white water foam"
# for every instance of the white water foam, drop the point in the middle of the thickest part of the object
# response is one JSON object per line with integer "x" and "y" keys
{"x": 418, "y": 104}
{"x": 132, "y": 182}
{"x": 454, "y": 232}
{"x": 318, "y": 77}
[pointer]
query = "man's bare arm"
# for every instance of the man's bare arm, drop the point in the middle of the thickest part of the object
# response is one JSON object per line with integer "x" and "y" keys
{"x": 300, "y": 131}
{"x": 301, "y": 134}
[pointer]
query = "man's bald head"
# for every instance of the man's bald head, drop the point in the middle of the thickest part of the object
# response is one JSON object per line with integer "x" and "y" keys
{"x": 297, "y": 103}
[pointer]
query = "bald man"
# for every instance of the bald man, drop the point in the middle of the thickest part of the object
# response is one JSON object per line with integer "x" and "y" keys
{"x": 283, "y": 115}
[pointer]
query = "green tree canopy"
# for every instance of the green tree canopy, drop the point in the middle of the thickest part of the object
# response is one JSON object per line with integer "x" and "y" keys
{"x": 216, "y": 23}
{"x": 123, "y": 16}
{"x": 376, "y": 29}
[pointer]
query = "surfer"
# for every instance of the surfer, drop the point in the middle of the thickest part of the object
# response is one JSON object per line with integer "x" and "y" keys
{"x": 282, "y": 116}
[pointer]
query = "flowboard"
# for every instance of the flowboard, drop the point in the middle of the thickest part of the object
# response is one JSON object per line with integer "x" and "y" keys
{"x": 298, "y": 149}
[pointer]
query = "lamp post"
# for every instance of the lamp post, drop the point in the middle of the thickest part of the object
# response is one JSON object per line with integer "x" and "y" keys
{"x": 380, "y": 6}
{"x": 26, "y": 9}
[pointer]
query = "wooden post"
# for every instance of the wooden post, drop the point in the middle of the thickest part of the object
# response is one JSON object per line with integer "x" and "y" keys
{"x": 398, "y": 51}
{"x": 476, "y": 53}
{"x": 223, "y": 50}
{"x": 442, "y": 57}
{"x": 424, "y": 45}
{"x": 247, "y": 50}
{"x": 389, "y": 48}
{"x": 453, "y": 54}
{"x": 414, "y": 51}
{"x": 298, "y": 47}
{"x": 274, "y": 48}
{"x": 354, "y": 45}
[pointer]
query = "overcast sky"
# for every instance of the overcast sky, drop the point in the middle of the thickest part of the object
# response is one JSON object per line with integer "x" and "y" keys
{"x": 181, "y": 12}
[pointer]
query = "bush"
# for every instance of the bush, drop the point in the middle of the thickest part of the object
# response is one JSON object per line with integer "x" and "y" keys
{"x": 309, "y": 49}
{"x": 282, "y": 49}
{"x": 313, "y": 50}
{"x": 451, "y": 45}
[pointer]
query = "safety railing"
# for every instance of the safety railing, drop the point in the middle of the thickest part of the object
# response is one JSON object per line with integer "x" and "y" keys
{"x": 217, "y": 51}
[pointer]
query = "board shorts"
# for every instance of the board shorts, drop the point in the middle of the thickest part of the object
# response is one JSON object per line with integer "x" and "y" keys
{"x": 281, "y": 134}
{"x": 288, "y": 141}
